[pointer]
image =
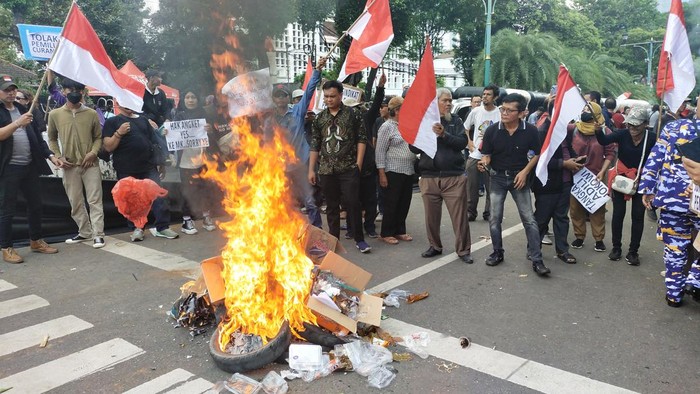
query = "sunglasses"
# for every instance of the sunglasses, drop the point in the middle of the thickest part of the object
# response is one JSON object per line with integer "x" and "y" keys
{"x": 20, "y": 98}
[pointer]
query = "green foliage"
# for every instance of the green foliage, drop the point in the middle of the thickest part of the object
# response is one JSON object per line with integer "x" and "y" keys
{"x": 615, "y": 17}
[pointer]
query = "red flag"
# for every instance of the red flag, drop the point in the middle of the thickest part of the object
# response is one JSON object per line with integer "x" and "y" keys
{"x": 674, "y": 83}
{"x": 307, "y": 78}
{"x": 81, "y": 57}
{"x": 567, "y": 106}
{"x": 372, "y": 34}
{"x": 420, "y": 109}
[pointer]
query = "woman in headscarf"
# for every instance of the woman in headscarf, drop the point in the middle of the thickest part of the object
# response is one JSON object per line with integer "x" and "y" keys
{"x": 598, "y": 159}
{"x": 196, "y": 193}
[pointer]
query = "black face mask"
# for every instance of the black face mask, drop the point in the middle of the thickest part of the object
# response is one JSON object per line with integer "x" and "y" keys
{"x": 74, "y": 97}
{"x": 586, "y": 117}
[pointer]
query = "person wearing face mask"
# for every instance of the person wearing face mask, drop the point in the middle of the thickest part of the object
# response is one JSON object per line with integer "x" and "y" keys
{"x": 598, "y": 159}
{"x": 196, "y": 192}
{"x": 78, "y": 130}
{"x": 632, "y": 148}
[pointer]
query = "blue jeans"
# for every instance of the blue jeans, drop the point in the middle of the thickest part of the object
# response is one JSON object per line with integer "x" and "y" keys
{"x": 159, "y": 209}
{"x": 24, "y": 179}
{"x": 302, "y": 190}
{"x": 501, "y": 184}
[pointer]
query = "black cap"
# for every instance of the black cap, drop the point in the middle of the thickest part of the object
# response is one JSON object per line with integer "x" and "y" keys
{"x": 277, "y": 89}
{"x": 6, "y": 82}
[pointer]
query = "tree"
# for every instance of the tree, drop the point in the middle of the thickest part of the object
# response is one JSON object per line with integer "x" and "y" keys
{"x": 615, "y": 17}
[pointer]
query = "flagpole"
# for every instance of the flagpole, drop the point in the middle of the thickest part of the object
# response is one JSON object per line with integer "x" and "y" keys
{"x": 345, "y": 33}
{"x": 43, "y": 77}
{"x": 663, "y": 90}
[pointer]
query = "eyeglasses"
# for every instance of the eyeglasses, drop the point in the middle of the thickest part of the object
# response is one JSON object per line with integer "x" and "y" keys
{"x": 20, "y": 98}
{"x": 508, "y": 111}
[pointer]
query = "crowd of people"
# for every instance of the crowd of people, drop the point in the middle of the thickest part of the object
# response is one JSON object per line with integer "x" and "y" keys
{"x": 353, "y": 159}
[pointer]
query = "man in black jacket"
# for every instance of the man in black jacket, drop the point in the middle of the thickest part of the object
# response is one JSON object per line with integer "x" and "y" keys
{"x": 443, "y": 179}
{"x": 23, "y": 155}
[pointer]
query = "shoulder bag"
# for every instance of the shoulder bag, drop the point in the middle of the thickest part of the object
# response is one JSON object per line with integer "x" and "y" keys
{"x": 625, "y": 185}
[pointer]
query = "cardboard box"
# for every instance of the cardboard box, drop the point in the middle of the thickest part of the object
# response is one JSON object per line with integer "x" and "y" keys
{"x": 317, "y": 243}
{"x": 370, "y": 307}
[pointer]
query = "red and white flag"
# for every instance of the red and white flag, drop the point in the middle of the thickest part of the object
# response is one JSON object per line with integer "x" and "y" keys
{"x": 676, "y": 77}
{"x": 567, "y": 106}
{"x": 81, "y": 57}
{"x": 420, "y": 111}
{"x": 307, "y": 78}
{"x": 372, "y": 35}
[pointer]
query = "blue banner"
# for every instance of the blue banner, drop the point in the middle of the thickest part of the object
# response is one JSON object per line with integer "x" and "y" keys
{"x": 38, "y": 42}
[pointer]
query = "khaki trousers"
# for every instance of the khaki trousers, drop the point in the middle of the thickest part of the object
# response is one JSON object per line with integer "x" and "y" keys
{"x": 578, "y": 218}
{"x": 453, "y": 191}
{"x": 74, "y": 181}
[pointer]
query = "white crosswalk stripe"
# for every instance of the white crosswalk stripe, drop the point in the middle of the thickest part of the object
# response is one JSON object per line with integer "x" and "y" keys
{"x": 32, "y": 336}
{"x": 193, "y": 387}
{"x": 162, "y": 382}
{"x": 66, "y": 369}
{"x": 5, "y": 285}
{"x": 21, "y": 304}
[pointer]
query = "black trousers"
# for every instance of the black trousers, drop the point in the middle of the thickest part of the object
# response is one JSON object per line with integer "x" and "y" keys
{"x": 397, "y": 202}
{"x": 343, "y": 189}
{"x": 618, "y": 218}
{"x": 368, "y": 202}
{"x": 554, "y": 207}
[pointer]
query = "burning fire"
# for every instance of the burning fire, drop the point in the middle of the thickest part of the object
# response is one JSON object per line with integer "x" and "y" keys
{"x": 266, "y": 272}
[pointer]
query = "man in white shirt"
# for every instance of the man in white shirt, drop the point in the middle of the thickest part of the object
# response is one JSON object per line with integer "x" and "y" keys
{"x": 478, "y": 120}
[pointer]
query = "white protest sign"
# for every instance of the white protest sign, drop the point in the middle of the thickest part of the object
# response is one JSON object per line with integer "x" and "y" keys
{"x": 184, "y": 134}
{"x": 349, "y": 92}
{"x": 38, "y": 42}
{"x": 249, "y": 93}
{"x": 695, "y": 200}
{"x": 589, "y": 191}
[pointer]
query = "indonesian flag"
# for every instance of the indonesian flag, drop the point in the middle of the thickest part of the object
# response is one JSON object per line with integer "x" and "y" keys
{"x": 567, "y": 106}
{"x": 81, "y": 57}
{"x": 372, "y": 35}
{"x": 420, "y": 108}
{"x": 675, "y": 83}
{"x": 307, "y": 78}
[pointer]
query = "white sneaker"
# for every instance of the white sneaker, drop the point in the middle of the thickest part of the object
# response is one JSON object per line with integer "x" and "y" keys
{"x": 188, "y": 227}
{"x": 379, "y": 218}
{"x": 546, "y": 240}
{"x": 137, "y": 235}
{"x": 208, "y": 223}
{"x": 98, "y": 243}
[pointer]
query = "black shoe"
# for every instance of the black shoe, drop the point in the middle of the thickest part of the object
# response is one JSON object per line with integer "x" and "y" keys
{"x": 467, "y": 258}
{"x": 673, "y": 303}
{"x": 577, "y": 244}
{"x": 694, "y": 292}
{"x": 632, "y": 258}
{"x": 599, "y": 246}
{"x": 472, "y": 218}
{"x": 651, "y": 215}
{"x": 494, "y": 258}
{"x": 615, "y": 254}
{"x": 540, "y": 268}
{"x": 76, "y": 240}
{"x": 431, "y": 252}
{"x": 487, "y": 216}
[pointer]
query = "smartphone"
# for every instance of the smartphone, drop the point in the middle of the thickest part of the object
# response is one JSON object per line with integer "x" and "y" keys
{"x": 581, "y": 160}
{"x": 691, "y": 150}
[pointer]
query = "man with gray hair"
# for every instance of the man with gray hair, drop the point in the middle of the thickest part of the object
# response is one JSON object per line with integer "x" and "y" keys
{"x": 443, "y": 179}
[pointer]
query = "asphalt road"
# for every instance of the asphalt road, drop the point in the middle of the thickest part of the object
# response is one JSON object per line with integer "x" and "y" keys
{"x": 595, "y": 326}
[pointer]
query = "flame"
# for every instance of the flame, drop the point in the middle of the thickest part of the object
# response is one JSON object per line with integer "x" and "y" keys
{"x": 266, "y": 272}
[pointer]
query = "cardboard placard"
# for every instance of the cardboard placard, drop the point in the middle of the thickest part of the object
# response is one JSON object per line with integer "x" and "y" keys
{"x": 38, "y": 42}
{"x": 589, "y": 191}
{"x": 185, "y": 134}
{"x": 695, "y": 199}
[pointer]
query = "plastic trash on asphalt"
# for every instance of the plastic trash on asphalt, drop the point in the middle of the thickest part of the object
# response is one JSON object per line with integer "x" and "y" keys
{"x": 380, "y": 377}
{"x": 304, "y": 357}
{"x": 394, "y": 296}
{"x": 417, "y": 343}
{"x": 273, "y": 383}
{"x": 365, "y": 356}
{"x": 236, "y": 384}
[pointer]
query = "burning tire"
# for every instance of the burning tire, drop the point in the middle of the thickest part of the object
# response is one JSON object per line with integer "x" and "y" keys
{"x": 254, "y": 360}
{"x": 319, "y": 336}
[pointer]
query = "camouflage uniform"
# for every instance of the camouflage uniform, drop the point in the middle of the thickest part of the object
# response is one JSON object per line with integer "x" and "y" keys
{"x": 664, "y": 176}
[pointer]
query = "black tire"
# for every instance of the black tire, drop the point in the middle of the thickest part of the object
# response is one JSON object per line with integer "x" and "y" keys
{"x": 255, "y": 360}
{"x": 320, "y": 336}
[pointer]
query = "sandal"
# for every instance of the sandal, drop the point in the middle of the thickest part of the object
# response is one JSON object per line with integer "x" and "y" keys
{"x": 567, "y": 257}
{"x": 404, "y": 237}
{"x": 390, "y": 240}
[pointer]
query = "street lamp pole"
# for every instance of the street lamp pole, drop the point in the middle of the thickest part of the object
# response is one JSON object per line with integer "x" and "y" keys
{"x": 488, "y": 6}
{"x": 649, "y": 52}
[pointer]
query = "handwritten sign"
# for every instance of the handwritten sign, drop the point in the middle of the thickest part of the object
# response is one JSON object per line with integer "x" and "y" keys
{"x": 589, "y": 191}
{"x": 349, "y": 92}
{"x": 38, "y": 42}
{"x": 185, "y": 134}
{"x": 249, "y": 93}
